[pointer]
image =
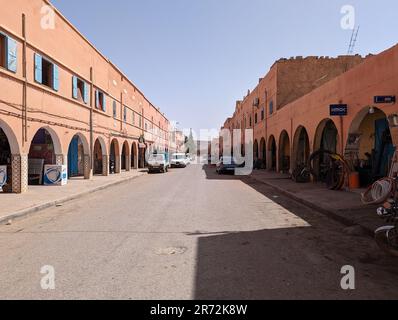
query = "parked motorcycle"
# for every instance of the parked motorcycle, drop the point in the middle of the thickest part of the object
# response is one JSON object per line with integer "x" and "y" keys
{"x": 387, "y": 237}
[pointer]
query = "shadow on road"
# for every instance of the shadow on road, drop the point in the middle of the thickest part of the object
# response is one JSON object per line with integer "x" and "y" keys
{"x": 287, "y": 263}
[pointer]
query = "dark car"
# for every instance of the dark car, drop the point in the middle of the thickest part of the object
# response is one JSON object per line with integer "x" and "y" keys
{"x": 226, "y": 165}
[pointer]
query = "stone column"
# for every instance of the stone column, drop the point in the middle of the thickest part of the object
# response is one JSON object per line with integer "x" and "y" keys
{"x": 19, "y": 174}
{"x": 105, "y": 165}
{"x": 135, "y": 162}
{"x": 128, "y": 162}
{"x": 88, "y": 172}
{"x": 118, "y": 164}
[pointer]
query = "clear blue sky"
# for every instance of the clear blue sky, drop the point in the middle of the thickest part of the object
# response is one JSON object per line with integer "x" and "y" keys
{"x": 195, "y": 58}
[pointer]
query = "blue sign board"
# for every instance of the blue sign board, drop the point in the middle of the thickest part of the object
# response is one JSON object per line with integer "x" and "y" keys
{"x": 384, "y": 99}
{"x": 338, "y": 110}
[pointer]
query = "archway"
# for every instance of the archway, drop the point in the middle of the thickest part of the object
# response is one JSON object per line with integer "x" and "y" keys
{"x": 255, "y": 150}
{"x": 78, "y": 149}
{"x": 10, "y": 160}
{"x": 263, "y": 153}
{"x": 301, "y": 147}
{"x": 99, "y": 155}
{"x": 134, "y": 156}
{"x": 114, "y": 157}
{"x": 284, "y": 152}
{"x": 272, "y": 153}
{"x": 125, "y": 157}
{"x": 141, "y": 156}
{"x": 44, "y": 150}
{"x": 326, "y": 138}
{"x": 5, "y": 162}
{"x": 370, "y": 148}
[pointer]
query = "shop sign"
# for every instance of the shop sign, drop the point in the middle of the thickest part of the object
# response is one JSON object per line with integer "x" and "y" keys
{"x": 338, "y": 110}
{"x": 384, "y": 99}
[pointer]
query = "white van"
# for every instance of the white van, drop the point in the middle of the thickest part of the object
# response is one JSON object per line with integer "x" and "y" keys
{"x": 178, "y": 160}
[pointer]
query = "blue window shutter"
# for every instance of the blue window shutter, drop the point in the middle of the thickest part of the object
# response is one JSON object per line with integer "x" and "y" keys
{"x": 96, "y": 98}
{"x": 55, "y": 77}
{"x": 12, "y": 52}
{"x": 103, "y": 102}
{"x": 38, "y": 68}
{"x": 74, "y": 87}
{"x": 86, "y": 94}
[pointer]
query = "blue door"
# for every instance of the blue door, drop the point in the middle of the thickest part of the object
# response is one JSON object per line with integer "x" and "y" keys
{"x": 73, "y": 157}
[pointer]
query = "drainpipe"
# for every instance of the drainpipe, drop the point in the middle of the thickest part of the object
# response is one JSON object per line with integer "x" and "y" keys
{"x": 121, "y": 112}
{"x": 342, "y": 135}
{"x": 25, "y": 85}
{"x": 91, "y": 122}
{"x": 293, "y": 159}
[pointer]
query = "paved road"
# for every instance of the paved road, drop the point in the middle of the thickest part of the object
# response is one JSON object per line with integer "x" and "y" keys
{"x": 189, "y": 234}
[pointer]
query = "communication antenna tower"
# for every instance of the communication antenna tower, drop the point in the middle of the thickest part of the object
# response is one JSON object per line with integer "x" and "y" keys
{"x": 353, "y": 41}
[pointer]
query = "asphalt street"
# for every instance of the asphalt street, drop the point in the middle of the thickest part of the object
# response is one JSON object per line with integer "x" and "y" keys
{"x": 189, "y": 234}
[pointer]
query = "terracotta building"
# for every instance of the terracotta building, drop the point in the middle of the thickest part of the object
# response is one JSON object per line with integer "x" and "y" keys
{"x": 63, "y": 102}
{"x": 290, "y": 111}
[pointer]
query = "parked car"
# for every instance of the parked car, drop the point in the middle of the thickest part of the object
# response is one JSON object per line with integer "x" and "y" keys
{"x": 158, "y": 162}
{"x": 226, "y": 165}
{"x": 179, "y": 160}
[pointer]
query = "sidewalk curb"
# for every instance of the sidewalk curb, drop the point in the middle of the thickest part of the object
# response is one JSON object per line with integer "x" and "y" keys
{"x": 29, "y": 211}
{"x": 327, "y": 212}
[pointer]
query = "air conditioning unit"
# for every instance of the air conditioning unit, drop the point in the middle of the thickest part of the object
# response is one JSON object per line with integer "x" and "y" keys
{"x": 256, "y": 102}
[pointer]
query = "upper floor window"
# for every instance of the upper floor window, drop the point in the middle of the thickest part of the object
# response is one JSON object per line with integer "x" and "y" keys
{"x": 79, "y": 89}
{"x": 256, "y": 118}
{"x": 262, "y": 114}
{"x": 250, "y": 122}
{"x": 133, "y": 118}
{"x": 114, "y": 107}
{"x": 140, "y": 121}
{"x": 8, "y": 53}
{"x": 271, "y": 107}
{"x": 46, "y": 72}
{"x": 100, "y": 102}
{"x": 125, "y": 114}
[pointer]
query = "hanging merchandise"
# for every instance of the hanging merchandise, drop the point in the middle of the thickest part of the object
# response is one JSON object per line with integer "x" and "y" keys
{"x": 379, "y": 192}
{"x": 332, "y": 169}
{"x": 55, "y": 175}
{"x": 3, "y": 177}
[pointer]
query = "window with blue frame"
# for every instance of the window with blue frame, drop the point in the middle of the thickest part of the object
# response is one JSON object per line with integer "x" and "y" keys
{"x": 8, "y": 53}
{"x": 80, "y": 90}
{"x": 100, "y": 101}
{"x": 271, "y": 107}
{"x": 114, "y": 109}
{"x": 3, "y": 51}
{"x": 46, "y": 72}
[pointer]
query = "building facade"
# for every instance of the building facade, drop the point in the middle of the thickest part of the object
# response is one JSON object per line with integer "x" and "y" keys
{"x": 63, "y": 102}
{"x": 289, "y": 111}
